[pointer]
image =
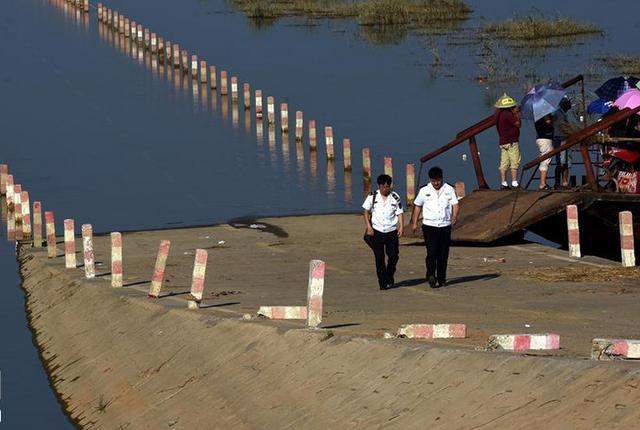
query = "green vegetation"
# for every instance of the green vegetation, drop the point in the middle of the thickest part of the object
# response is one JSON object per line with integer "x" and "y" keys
{"x": 369, "y": 12}
{"x": 384, "y": 12}
{"x": 623, "y": 64}
{"x": 536, "y": 28}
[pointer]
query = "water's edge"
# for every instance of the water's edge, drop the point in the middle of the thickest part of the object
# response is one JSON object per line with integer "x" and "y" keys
{"x": 153, "y": 367}
{"x": 20, "y": 260}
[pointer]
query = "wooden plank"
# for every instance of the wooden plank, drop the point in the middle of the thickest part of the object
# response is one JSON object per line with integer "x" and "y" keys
{"x": 488, "y": 215}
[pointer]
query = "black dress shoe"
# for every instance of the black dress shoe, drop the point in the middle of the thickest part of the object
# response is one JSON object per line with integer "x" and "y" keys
{"x": 442, "y": 283}
{"x": 432, "y": 282}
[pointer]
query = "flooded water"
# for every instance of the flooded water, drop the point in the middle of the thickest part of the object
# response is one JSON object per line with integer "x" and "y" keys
{"x": 100, "y": 132}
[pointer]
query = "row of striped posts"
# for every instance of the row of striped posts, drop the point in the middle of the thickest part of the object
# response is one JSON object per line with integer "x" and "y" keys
{"x": 602, "y": 349}
{"x": 18, "y": 218}
{"x": 201, "y": 72}
{"x": 82, "y": 5}
{"x": 624, "y": 348}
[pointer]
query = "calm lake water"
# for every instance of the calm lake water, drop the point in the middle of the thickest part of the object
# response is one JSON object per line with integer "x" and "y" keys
{"x": 101, "y": 133}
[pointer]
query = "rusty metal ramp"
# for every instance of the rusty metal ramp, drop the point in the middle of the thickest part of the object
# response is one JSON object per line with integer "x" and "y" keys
{"x": 489, "y": 215}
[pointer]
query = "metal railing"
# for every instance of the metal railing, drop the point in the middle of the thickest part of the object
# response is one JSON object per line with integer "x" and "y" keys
{"x": 479, "y": 127}
{"x": 584, "y": 139}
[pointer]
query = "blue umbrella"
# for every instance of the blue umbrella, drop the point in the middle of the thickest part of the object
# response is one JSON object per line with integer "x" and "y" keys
{"x": 542, "y": 100}
{"x": 615, "y": 87}
{"x": 599, "y": 107}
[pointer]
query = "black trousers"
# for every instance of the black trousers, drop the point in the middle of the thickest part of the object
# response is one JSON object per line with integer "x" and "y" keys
{"x": 382, "y": 243}
{"x": 438, "y": 241}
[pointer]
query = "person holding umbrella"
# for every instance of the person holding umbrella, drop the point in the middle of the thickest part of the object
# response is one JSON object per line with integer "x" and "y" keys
{"x": 544, "y": 140}
{"x": 539, "y": 105}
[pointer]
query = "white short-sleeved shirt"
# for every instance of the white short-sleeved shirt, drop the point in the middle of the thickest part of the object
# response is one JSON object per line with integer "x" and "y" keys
{"x": 436, "y": 204}
{"x": 384, "y": 216}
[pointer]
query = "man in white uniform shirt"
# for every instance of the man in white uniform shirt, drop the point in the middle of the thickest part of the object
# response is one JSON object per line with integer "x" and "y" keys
{"x": 383, "y": 218}
{"x": 439, "y": 205}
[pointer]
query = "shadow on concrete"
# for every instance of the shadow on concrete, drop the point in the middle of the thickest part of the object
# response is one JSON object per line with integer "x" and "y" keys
{"x": 340, "y": 325}
{"x": 409, "y": 283}
{"x": 176, "y": 293}
{"x": 471, "y": 278}
{"x": 219, "y": 305}
{"x": 133, "y": 284}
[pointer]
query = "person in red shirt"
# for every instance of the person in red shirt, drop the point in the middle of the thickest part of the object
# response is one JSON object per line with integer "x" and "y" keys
{"x": 508, "y": 126}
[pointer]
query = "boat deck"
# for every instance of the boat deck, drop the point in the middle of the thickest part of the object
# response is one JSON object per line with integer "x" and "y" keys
{"x": 489, "y": 215}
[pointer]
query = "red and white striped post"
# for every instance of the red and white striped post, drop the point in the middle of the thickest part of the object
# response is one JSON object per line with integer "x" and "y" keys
{"x": 366, "y": 163}
{"x": 197, "y": 280}
{"x": 411, "y": 183}
{"x": 69, "y": 244}
{"x": 615, "y": 349}
{"x": 574, "y": 231}
{"x": 246, "y": 90}
{"x": 147, "y": 39}
{"x": 99, "y": 11}
{"x": 524, "y": 342}
{"x": 283, "y": 312}
{"x": 328, "y": 140}
{"x": 127, "y": 28}
{"x": 346, "y": 154}
{"x": 167, "y": 51}
{"x": 213, "y": 80}
{"x": 37, "y": 225}
{"x": 194, "y": 67}
{"x": 158, "y": 270}
{"x": 184, "y": 60}
{"x": 271, "y": 111}
{"x": 116, "y": 260}
{"x": 203, "y": 72}
{"x": 134, "y": 30}
{"x": 85, "y": 7}
{"x": 259, "y": 104}
{"x": 114, "y": 19}
{"x": 461, "y": 190}
{"x": 26, "y": 215}
{"x": 154, "y": 43}
{"x": 627, "y": 248}
{"x": 433, "y": 331}
{"x": 51, "y": 234}
{"x": 299, "y": 126}
{"x": 224, "y": 90}
{"x": 315, "y": 291}
{"x": 176, "y": 56}
{"x": 139, "y": 35}
{"x": 121, "y": 24}
{"x": 9, "y": 190}
{"x": 11, "y": 220}
{"x": 234, "y": 89}
{"x": 4, "y": 171}
{"x": 284, "y": 117}
{"x": 313, "y": 137}
{"x": 17, "y": 212}
{"x": 388, "y": 166}
{"x": 87, "y": 251}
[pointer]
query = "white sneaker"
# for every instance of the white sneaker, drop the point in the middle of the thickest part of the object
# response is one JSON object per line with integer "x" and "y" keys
{"x": 514, "y": 184}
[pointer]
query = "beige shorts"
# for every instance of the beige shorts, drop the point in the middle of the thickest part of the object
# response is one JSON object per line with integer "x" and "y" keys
{"x": 510, "y": 156}
{"x": 544, "y": 146}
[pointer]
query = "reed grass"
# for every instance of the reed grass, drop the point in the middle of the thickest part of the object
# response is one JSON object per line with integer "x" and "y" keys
{"x": 623, "y": 64}
{"x": 535, "y": 28}
{"x": 418, "y": 13}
